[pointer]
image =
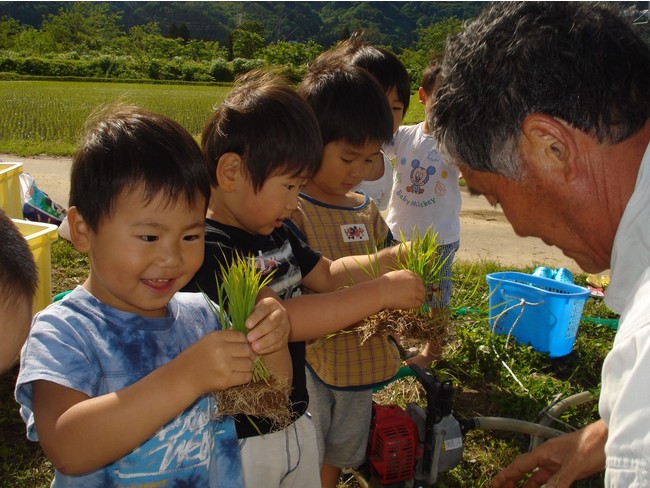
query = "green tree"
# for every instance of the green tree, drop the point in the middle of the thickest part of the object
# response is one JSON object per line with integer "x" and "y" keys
{"x": 246, "y": 44}
{"x": 253, "y": 26}
{"x": 433, "y": 38}
{"x": 82, "y": 26}
{"x": 147, "y": 42}
{"x": 139, "y": 41}
{"x": 9, "y": 31}
{"x": 204, "y": 50}
{"x": 24, "y": 40}
{"x": 282, "y": 53}
{"x": 431, "y": 44}
{"x": 179, "y": 31}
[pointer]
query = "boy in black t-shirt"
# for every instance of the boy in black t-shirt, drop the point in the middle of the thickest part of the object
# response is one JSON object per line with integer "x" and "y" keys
{"x": 262, "y": 144}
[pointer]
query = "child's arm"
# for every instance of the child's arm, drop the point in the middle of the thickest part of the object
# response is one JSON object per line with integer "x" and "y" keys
{"x": 331, "y": 275}
{"x": 80, "y": 434}
{"x": 316, "y": 315}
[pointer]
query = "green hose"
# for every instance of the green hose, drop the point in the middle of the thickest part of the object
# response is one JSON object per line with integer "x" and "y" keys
{"x": 610, "y": 323}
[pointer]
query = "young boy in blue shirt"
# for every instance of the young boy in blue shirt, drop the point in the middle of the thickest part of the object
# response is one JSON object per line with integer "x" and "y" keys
{"x": 262, "y": 144}
{"x": 116, "y": 379}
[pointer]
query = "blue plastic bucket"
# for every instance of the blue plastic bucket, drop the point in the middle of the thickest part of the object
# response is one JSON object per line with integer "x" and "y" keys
{"x": 536, "y": 311}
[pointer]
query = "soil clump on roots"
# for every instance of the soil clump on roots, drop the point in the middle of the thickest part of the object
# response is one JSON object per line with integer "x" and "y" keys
{"x": 407, "y": 325}
{"x": 268, "y": 399}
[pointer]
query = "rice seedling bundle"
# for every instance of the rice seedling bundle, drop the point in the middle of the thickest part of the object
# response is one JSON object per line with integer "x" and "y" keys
{"x": 267, "y": 395}
{"x": 423, "y": 324}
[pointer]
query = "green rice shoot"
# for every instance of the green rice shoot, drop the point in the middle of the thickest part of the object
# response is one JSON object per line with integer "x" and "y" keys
{"x": 240, "y": 284}
{"x": 422, "y": 258}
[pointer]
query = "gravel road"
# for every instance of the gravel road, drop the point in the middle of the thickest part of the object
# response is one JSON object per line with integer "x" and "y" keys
{"x": 485, "y": 232}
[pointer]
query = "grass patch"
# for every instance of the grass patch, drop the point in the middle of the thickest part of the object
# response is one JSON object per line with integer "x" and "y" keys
{"x": 473, "y": 359}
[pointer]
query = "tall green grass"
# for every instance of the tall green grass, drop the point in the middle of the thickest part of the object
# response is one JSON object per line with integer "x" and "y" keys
{"x": 48, "y": 116}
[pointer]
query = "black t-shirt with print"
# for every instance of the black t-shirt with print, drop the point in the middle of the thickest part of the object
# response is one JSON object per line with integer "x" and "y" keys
{"x": 291, "y": 259}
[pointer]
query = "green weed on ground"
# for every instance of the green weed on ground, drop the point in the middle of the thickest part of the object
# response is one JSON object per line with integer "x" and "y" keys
{"x": 474, "y": 359}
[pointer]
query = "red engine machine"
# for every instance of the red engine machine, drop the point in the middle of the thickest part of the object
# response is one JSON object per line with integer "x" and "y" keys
{"x": 393, "y": 447}
{"x": 408, "y": 448}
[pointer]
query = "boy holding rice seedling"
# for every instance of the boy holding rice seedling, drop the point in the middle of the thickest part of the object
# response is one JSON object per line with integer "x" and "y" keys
{"x": 262, "y": 144}
{"x": 423, "y": 199}
{"x": 116, "y": 379}
{"x": 355, "y": 120}
{"x": 427, "y": 199}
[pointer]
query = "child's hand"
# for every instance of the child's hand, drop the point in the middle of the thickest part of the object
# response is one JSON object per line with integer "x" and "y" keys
{"x": 269, "y": 324}
{"x": 401, "y": 289}
{"x": 218, "y": 360}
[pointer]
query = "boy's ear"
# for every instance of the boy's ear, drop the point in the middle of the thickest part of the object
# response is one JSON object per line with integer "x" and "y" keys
{"x": 229, "y": 170}
{"x": 552, "y": 142}
{"x": 79, "y": 230}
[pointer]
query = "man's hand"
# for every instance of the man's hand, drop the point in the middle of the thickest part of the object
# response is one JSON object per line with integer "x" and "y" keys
{"x": 560, "y": 461}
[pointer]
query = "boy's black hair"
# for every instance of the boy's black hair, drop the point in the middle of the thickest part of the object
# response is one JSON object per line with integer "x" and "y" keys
{"x": 125, "y": 148}
{"x": 381, "y": 63}
{"x": 430, "y": 76}
{"x": 348, "y": 101}
{"x": 18, "y": 274}
{"x": 269, "y": 125}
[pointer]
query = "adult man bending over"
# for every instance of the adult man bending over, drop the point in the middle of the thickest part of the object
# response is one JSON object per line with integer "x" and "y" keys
{"x": 545, "y": 108}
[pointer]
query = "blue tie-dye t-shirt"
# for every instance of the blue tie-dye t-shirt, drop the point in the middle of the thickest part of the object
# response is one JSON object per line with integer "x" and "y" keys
{"x": 85, "y": 345}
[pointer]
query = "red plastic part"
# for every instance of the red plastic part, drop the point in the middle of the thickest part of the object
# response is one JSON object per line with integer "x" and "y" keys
{"x": 393, "y": 444}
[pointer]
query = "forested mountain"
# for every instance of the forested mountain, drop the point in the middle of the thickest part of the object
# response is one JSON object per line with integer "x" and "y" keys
{"x": 392, "y": 24}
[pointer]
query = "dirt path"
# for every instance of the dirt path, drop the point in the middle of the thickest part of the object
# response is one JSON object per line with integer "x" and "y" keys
{"x": 485, "y": 232}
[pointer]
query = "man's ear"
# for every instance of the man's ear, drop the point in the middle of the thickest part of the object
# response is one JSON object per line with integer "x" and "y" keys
{"x": 552, "y": 142}
{"x": 229, "y": 170}
{"x": 79, "y": 230}
{"x": 422, "y": 96}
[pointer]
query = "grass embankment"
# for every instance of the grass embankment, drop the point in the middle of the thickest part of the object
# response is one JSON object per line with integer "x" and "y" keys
{"x": 474, "y": 359}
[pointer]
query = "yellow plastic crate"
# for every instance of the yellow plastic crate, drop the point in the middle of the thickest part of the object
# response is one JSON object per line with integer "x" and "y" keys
{"x": 40, "y": 237}
{"x": 10, "y": 200}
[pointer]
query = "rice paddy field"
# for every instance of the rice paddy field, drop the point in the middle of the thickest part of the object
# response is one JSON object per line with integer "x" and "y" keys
{"x": 47, "y": 117}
